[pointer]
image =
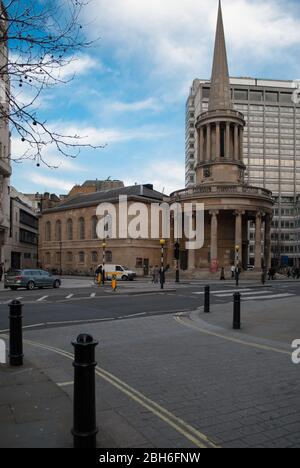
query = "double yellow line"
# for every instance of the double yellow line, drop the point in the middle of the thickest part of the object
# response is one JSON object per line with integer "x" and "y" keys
{"x": 194, "y": 436}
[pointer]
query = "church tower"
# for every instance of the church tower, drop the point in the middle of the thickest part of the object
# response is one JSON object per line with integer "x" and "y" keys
{"x": 220, "y": 130}
{"x": 230, "y": 203}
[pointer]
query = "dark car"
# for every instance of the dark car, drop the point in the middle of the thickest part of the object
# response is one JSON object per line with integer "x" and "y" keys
{"x": 30, "y": 279}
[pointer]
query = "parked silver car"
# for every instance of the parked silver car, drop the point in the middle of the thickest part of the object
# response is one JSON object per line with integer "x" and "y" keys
{"x": 30, "y": 279}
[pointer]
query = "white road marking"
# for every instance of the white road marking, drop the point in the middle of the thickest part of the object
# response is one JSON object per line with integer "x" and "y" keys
{"x": 69, "y": 296}
{"x": 65, "y": 384}
{"x": 19, "y": 298}
{"x": 253, "y": 293}
{"x": 275, "y": 296}
{"x": 225, "y": 291}
{"x": 93, "y": 295}
{"x": 42, "y": 299}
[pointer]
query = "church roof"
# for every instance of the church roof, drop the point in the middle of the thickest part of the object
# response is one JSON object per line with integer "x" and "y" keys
{"x": 220, "y": 98}
{"x": 142, "y": 192}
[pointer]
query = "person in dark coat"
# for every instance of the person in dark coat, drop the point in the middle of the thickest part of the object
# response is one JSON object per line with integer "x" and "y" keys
{"x": 222, "y": 278}
{"x": 1, "y": 271}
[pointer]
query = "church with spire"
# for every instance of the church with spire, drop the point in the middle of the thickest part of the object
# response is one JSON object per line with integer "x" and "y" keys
{"x": 230, "y": 204}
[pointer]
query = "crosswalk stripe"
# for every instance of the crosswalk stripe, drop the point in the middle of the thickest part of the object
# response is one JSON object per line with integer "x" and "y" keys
{"x": 225, "y": 291}
{"x": 256, "y": 293}
{"x": 42, "y": 299}
{"x": 274, "y": 296}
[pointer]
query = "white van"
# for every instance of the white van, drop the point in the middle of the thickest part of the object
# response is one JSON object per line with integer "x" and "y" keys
{"x": 121, "y": 272}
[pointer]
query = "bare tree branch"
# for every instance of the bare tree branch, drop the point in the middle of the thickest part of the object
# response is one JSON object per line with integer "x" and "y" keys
{"x": 38, "y": 39}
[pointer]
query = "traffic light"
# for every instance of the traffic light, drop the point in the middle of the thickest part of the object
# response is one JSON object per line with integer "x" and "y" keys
{"x": 176, "y": 251}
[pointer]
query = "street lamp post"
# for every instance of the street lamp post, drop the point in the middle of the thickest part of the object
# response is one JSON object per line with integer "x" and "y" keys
{"x": 103, "y": 261}
{"x": 162, "y": 265}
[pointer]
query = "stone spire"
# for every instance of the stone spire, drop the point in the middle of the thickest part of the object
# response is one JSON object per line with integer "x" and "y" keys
{"x": 220, "y": 86}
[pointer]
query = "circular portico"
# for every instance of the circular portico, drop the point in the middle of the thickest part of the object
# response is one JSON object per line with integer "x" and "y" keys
{"x": 228, "y": 211}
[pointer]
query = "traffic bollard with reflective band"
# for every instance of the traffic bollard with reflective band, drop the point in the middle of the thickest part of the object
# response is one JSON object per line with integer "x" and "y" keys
{"x": 237, "y": 311}
{"x": 15, "y": 334}
{"x": 84, "y": 425}
{"x": 206, "y": 299}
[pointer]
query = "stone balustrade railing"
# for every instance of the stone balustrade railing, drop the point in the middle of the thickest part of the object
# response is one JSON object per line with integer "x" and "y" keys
{"x": 222, "y": 190}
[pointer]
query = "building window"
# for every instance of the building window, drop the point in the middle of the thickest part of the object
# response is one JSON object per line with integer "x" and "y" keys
{"x": 271, "y": 96}
{"x": 139, "y": 263}
{"x": 94, "y": 227}
{"x": 108, "y": 256}
{"x": 70, "y": 229}
{"x": 205, "y": 93}
{"x": 48, "y": 231}
{"x": 95, "y": 257}
{"x": 241, "y": 94}
{"x": 81, "y": 257}
{"x": 81, "y": 229}
{"x": 286, "y": 97}
{"x": 69, "y": 257}
{"x": 256, "y": 96}
{"x": 58, "y": 231}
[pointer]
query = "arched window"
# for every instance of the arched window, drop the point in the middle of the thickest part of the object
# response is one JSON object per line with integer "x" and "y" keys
{"x": 94, "y": 223}
{"x": 95, "y": 257}
{"x": 58, "y": 230}
{"x": 48, "y": 231}
{"x": 81, "y": 257}
{"x": 81, "y": 229}
{"x": 70, "y": 229}
{"x": 108, "y": 256}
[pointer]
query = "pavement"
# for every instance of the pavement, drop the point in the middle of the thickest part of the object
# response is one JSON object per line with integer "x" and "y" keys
{"x": 168, "y": 375}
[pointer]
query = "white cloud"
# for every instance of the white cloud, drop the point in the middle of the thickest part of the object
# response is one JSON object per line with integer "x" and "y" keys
{"x": 173, "y": 39}
{"x": 50, "y": 184}
{"x": 166, "y": 176}
{"x": 147, "y": 104}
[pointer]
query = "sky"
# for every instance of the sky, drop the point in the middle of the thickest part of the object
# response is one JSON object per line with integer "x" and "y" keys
{"x": 130, "y": 88}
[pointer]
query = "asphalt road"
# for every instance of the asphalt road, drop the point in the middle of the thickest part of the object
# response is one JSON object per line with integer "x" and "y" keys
{"x": 52, "y": 308}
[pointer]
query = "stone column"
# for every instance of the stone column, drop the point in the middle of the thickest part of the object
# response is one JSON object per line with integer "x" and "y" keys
{"x": 258, "y": 242}
{"x": 201, "y": 158}
{"x": 227, "y": 144}
{"x": 236, "y": 143}
{"x": 218, "y": 142}
{"x": 241, "y": 143}
{"x": 214, "y": 238}
{"x": 208, "y": 144}
{"x": 268, "y": 260}
{"x": 238, "y": 234}
{"x": 192, "y": 253}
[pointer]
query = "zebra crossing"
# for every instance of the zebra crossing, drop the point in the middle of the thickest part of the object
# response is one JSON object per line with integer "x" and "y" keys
{"x": 249, "y": 294}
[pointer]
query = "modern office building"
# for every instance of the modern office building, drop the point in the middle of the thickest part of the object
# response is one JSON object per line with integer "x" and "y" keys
{"x": 271, "y": 151}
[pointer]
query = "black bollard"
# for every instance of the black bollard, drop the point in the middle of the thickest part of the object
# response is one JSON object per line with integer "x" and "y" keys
{"x": 84, "y": 429}
{"x": 15, "y": 334}
{"x": 206, "y": 299}
{"x": 237, "y": 311}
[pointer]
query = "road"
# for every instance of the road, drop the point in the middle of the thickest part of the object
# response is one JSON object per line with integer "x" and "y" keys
{"x": 67, "y": 306}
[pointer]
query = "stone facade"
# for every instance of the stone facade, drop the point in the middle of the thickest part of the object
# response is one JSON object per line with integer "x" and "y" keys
{"x": 68, "y": 239}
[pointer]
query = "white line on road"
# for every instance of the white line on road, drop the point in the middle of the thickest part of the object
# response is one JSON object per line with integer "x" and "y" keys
{"x": 93, "y": 295}
{"x": 225, "y": 290}
{"x": 65, "y": 384}
{"x": 42, "y": 299}
{"x": 252, "y": 293}
{"x": 275, "y": 296}
{"x": 69, "y": 296}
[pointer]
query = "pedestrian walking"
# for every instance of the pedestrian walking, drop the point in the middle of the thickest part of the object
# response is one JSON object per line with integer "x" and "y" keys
{"x": 222, "y": 278}
{"x": 1, "y": 271}
{"x": 156, "y": 274}
{"x": 232, "y": 272}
